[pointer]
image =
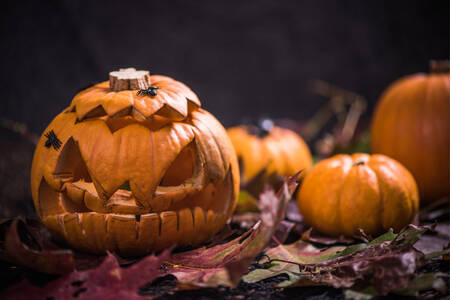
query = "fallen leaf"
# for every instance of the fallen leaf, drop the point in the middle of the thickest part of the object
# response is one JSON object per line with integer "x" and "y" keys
{"x": 314, "y": 236}
{"x": 388, "y": 263}
{"x": 24, "y": 242}
{"x": 292, "y": 213}
{"x": 245, "y": 220}
{"x": 423, "y": 282}
{"x": 225, "y": 264}
{"x": 107, "y": 281}
{"x": 246, "y": 203}
{"x": 256, "y": 185}
{"x": 282, "y": 232}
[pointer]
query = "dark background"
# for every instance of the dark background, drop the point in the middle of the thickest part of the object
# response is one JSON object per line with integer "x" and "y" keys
{"x": 243, "y": 58}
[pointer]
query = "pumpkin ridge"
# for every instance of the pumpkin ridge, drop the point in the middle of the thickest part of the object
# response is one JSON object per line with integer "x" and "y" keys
{"x": 339, "y": 201}
{"x": 173, "y": 93}
{"x": 381, "y": 196}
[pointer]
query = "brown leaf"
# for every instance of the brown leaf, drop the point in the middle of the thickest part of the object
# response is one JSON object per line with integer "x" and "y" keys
{"x": 225, "y": 264}
{"x": 256, "y": 185}
{"x": 292, "y": 213}
{"x": 23, "y": 242}
{"x": 313, "y": 236}
{"x": 388, "y": 262}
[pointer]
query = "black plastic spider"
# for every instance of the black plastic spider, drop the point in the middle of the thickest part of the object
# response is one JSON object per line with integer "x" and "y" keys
{"x": 52, "y": 140}
{"x": 150, "y": 91}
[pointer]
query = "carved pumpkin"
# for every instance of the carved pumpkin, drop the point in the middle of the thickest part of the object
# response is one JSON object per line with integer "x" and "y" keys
{"x": 278, "y": 150}
{"x": 133, "y": 172}
{"x": 411, "y": 124}
{"x": 343, "y": 193}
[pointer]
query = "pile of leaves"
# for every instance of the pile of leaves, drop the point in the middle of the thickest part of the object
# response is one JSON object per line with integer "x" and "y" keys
{"x": 362, "y": 267}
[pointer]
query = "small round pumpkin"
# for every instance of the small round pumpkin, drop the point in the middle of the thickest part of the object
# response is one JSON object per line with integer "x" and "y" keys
{"x": 343, "y": 193}
{"x": 275, "y": 149}
{"x": 411, "y": 124}
{"x": 134, "y": 166}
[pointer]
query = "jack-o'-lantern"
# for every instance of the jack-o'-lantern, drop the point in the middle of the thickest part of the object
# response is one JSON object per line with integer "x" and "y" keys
{"x": 270, "y": 148}
{"x": 412, "y": 125}
{"x": 371, "y": 192}
{"x": 134, "y": 166}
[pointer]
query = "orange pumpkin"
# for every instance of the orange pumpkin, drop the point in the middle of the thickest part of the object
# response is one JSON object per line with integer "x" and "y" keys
{"x": 132, "y": 172}
{"x": 275, "y": 149}
{"x": 411, "y": 124}
{"x": 343, "y": 193}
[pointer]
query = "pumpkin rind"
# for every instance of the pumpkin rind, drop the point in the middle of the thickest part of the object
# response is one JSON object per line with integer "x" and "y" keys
{"x": 411, "y": 124}
{"x": 344, "y": 193}
{"x": 134, "y": 183}
{"x": 282, "y": 151}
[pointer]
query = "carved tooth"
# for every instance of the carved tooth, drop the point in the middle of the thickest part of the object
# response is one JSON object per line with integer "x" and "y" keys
{"x": 75, "y": 193}
{"x": 54, "y": 225}
{"x": 122, "y": 232}
{"x": 201, "y": 231}
{"x": 210, "y": 219}
{"x": 94, "y": 203}
{"x": 148, "y": 230}
{"x": 76, "y": 237}
{"x": 169, "y": 234}
{"x": 161, "y": 203}
{"x": 61, "y": 223}
{"x": 94, "y": 226}
{"x": 219, "y": 222}
{"x": 186, "y": 226}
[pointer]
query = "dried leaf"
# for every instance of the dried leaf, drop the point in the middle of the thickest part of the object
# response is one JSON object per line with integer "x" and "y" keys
{"x": 388, "y": 263}
{"x": 246, "y": 203}
{"x": 282, "y": 232}
{"x": 23, "y": 242}
{"x": 292, "y": 213}
{"x": 422, "y": 282}
{"x": 256, "y": 185}
{"x": 435, "y": 240}
{"x": 225, "y": 264}
{"x": 245, "y": 220}
{"x": 314, "y": 236}
{"x": 108, "y": 281}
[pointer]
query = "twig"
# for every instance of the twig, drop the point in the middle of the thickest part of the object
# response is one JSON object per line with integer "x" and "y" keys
{"x": 21, "y": 129}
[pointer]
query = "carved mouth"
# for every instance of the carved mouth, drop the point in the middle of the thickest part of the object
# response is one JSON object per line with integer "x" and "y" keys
{"x": 186, "y": 220}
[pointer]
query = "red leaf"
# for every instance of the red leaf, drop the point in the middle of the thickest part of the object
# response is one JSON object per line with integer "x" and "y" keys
{"x": 108, "y": 281}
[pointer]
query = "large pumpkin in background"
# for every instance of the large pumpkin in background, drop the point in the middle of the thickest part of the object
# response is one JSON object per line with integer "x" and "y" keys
{"x": 411, "y": 124}
{"x": 271, "y": 148}
{"x": 343, "y": 193}
{"x": 132, "y": 172}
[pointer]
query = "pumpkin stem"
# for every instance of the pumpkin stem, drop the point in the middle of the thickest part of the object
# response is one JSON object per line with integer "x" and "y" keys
{"x": 261, "y": 128}
{"x": 129, "y": 79}
{"x": 439, "y": 66}
{"x": 358, "y": 163}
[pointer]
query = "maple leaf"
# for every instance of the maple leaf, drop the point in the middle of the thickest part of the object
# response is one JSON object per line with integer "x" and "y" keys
{"x": 23, "y": 242}
{"x": 388, "y": 263}
{"x": 225, "y": 264}
{"x": 246, "y": 203}
{"x": 107, "y": 281}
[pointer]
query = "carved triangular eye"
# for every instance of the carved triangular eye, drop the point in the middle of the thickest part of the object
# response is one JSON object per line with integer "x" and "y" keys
{"x": 182, "y": 168}
{"x": 71, "y": 166}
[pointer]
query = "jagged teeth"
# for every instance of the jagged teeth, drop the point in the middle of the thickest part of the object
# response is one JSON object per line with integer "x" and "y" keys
{"x": 127, "y": 235}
